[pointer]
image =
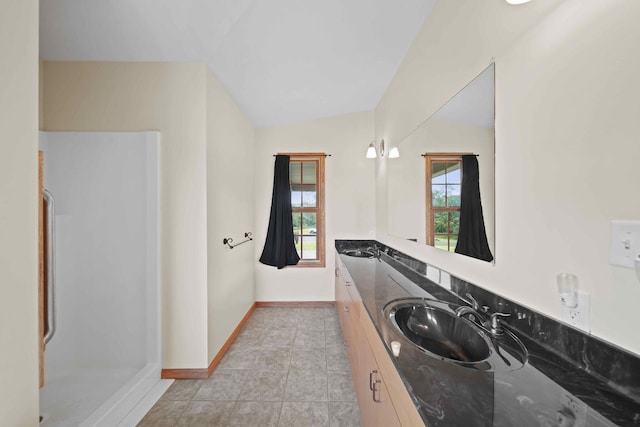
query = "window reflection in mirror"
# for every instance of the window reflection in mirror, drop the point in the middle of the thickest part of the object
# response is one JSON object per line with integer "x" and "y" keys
{"x": 444, "y": 180}
{"x": 423, "y": 203}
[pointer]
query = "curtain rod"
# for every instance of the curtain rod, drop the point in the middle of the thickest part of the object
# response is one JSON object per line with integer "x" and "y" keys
{"x": 302, "y": 154}
{"x": 449, "y": 154}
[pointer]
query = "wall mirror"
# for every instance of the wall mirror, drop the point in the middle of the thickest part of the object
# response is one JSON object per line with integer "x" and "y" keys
{"x": 418, "y": 183}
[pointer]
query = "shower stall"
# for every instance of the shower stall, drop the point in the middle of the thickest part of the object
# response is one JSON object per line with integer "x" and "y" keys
{"x": 102, "y": 358}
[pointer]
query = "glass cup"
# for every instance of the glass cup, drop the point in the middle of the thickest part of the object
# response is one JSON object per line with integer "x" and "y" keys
{"x": 568, "y": 289}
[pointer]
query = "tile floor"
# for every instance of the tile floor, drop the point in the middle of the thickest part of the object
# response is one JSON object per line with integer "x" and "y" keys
{"x": 287, "y": 367}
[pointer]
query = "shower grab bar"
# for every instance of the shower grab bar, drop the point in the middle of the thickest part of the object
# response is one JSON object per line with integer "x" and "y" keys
{"x": 50, "y": 327}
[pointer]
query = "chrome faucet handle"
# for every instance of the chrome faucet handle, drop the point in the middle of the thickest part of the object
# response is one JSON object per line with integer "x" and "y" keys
{"x": 469, "y": 313}
{"x": 494, "y": 322}
{"x": 474, "y": 304}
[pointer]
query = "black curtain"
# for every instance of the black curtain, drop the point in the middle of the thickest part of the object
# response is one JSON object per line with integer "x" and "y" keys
{"x": 472, "y": 236}
{"x": 279, "y": 247}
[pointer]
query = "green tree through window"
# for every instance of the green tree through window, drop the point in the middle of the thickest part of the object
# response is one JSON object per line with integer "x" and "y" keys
{"x": 306, "y": 172}
{"x": 444, "y": 182}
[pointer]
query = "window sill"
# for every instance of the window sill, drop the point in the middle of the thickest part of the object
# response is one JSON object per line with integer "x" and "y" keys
{"x": 309, "y": 264}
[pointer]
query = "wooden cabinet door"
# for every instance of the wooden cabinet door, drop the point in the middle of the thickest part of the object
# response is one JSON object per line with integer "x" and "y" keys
{"x": 384, "y": 409}
{"x": 376, "y": 407}
{"x": 361, "y": 377}
{"x": 342, "y": 305}
{"x": 346, "y": 316}
{"x": 401, "y": 405}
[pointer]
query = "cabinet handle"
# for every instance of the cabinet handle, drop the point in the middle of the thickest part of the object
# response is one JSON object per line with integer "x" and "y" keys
{"x": 373, "y": 371}
{"x": 347, "y": 283}
{"x": 374, "y": 389}
{"x": 346, "y": 309}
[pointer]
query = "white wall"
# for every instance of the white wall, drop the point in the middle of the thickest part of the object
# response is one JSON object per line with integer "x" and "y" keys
{"x": 19, "y": 212}
{"x": 349, "y": 197}
{"x": 567, "y": 131}
{"x": 230, "y": 213}
{"x": 170, "y": 98}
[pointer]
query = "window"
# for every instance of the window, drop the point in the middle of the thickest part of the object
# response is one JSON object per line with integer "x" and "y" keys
{"x": 306, "y": 174}
{"x": 444, "y": 182}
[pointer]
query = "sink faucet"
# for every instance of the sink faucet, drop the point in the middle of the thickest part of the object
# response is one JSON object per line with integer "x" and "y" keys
{"x": 472, "y": 302}
{"x": 376, "y": 251}
{"x": 471, "y": 310}
{"x": 465, "y": 310}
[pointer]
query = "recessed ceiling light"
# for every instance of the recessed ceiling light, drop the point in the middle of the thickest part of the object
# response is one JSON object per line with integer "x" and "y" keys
{"x": 518, "y": 1}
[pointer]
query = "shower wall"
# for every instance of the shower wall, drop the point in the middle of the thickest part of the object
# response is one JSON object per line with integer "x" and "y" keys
{"x": 107, "y": 286}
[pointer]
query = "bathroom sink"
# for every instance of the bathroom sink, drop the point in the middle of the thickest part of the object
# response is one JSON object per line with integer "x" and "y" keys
{"x": 433, "y": 327}
{"x": 440, "y": 332}
{"x": 359, "y": 253}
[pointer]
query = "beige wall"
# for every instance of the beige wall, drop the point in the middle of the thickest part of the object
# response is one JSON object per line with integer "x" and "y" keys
{"x": 19, "y": 213}
{"x": 349, "y": 199}
{"x": 566, "y": 143}
{"x": 170, "y": 98}
{"x": 230, "y": 212}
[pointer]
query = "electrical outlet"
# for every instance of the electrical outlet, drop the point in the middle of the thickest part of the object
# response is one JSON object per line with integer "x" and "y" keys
{"x": 573, "y": 407}
{"x": 578, "y": 316}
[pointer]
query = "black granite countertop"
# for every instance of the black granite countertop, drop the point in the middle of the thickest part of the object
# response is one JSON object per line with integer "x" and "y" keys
{"x": 549, "y": 390}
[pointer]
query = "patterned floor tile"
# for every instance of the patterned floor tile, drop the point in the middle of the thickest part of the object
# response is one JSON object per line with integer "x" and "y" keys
{"x": 288, "y": 366}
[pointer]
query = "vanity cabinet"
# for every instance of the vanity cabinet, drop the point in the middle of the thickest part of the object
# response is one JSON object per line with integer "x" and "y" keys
{"x": 382, "y": 397}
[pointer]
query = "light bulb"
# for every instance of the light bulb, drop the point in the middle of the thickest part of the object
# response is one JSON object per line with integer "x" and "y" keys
{"x": 371, "y": 152}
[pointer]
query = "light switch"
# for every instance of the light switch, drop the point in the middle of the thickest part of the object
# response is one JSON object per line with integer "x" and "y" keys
{"x": 625, "y": 242}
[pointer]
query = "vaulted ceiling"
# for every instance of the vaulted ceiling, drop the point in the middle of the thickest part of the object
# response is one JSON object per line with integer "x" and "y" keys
{"x": 282, "y": 61}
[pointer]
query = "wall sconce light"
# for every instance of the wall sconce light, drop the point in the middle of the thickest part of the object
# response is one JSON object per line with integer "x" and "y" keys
{"x": 371, "y": 151}
{"x": 518, "y": 1}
